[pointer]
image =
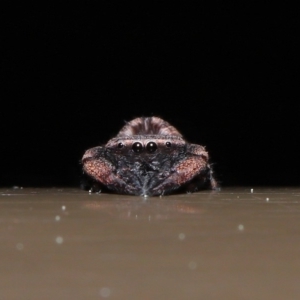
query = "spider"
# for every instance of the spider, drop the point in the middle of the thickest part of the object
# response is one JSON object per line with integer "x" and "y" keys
{"x": 149, "y": 157}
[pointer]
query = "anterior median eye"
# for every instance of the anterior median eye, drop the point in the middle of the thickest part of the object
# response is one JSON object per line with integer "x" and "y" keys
{"x": 151, "y": 147}
{"x": 137, "y": 147}
{"x": 168, "y": 144}
{"x": 120, "y": 145}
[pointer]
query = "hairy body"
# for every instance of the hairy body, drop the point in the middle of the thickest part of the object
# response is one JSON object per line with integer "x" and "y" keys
{"x": 149, "y": 157}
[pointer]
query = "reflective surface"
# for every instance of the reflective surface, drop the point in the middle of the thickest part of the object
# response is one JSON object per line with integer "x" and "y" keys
{"x": 69, "y": 244}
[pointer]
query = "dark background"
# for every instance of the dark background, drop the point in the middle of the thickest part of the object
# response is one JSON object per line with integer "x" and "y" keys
{"x": 224, "y": 75}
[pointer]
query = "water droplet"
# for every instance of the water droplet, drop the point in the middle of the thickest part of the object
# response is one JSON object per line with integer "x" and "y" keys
{"x": 181, "y": 236}
{"x": 192, "y": 265}
{"x": 20, "y": 246}
{"x": 105, "y": 292}
{"x": 59, "y": 240}
{"x": 241, "y": 227}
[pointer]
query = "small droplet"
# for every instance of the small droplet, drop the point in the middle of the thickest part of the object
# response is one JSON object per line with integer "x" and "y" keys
{"x": 181, "y": 236}
{"x": 20, "y": 246}
{"x": 105, "y": 292}
{"x": 63, "y": 207}
{"x": 57, "y": 218}
{"x": 192, "y": 265}
{"x": 267, "y": 199}
{"x": 59, "y": 240}
{"x": 251, "y": 190}
{"x": 241, "y": 227}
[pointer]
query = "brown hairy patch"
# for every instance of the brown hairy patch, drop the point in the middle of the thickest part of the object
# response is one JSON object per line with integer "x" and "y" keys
{"x": 146, "y": 126}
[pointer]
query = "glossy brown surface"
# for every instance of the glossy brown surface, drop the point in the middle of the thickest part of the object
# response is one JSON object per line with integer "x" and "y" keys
{"x": 68, "y": 244}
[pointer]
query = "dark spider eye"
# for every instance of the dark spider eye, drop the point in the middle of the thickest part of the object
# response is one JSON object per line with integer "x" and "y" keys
{"x": 137, "y": 147}
{"x": 151, "y": 147}
{"x": 168, "y": 144}
{"x": 120, "y": 145}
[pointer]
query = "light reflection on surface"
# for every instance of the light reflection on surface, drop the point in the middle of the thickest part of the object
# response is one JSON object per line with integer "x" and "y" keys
{"x": 67, "y": 244}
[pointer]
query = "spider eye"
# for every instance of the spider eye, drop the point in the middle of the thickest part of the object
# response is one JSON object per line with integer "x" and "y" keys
{"x": 151, "y": 147}
{"x": 120, "y": 145}
{"x": 168, "y": 144}
{"x": 137, "y": 147}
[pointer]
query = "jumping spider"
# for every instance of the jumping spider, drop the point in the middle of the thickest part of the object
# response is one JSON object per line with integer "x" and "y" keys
{"x": 149, "y": 157}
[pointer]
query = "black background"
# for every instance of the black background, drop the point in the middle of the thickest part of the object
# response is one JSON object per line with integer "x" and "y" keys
{"x": 224, "y": 75}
